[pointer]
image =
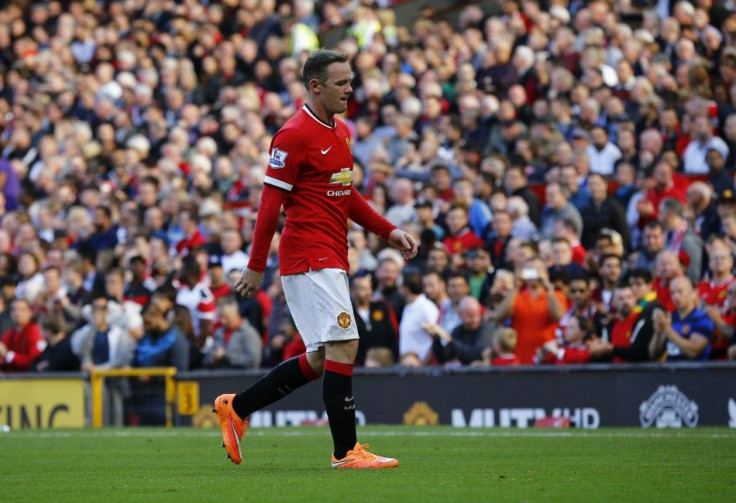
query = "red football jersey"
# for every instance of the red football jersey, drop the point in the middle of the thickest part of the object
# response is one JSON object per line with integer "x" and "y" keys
{"x": 621, "y": 334}
{"x": 312, "y": 160}
{"x": 505, "y": 361}
{"x": 714, "y": 293}
{"x": 664, "y": 296}
{"x": 572, "y": 354}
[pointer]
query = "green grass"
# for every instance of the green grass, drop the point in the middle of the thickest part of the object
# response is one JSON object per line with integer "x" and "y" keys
{"x": 437, "y": 464}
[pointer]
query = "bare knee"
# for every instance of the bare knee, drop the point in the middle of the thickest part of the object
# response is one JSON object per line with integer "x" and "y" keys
{"x": 342, "y": 351}
{"x": 316, "y": 360}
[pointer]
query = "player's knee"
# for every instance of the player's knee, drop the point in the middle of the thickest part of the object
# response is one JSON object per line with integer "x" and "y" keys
{"x": 316, "y": 360}
{"x": 342, "y": 351}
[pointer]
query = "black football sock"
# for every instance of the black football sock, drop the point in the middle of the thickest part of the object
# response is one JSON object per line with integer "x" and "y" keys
{"x": 337, "y": 391}
{"x": 279, "y": 382}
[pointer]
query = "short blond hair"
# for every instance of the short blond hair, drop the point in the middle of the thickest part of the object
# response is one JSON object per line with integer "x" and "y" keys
{"x": 505, "y": 339}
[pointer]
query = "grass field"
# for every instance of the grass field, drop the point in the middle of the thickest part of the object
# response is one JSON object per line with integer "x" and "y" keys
{"x": 437, "y": 464}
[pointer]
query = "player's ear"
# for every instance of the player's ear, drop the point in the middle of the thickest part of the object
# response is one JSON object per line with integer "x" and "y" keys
{"x": 315, "y": 86}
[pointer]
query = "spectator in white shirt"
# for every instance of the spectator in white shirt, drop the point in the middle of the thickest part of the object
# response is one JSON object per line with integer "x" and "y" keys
{"x": 413, "y": 339}
{"x": 233, "y": 257}
{"x": 703, "y": 140}
{"x": 402, "y": 195}
{"x": 602, "y": 154}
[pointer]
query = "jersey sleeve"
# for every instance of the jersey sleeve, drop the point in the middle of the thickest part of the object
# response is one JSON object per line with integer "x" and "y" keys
{"x": 360, "y": 212}
{"x": 285, "y": 157}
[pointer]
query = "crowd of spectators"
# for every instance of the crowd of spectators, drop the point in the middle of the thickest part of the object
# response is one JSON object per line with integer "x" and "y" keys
{"x": 567, "y": 166}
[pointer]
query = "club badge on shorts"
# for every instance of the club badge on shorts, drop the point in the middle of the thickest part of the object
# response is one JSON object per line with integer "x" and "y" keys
{"x": 343, "y": 319}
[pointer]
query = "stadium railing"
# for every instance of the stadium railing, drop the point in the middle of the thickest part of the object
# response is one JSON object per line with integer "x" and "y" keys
{"x": 97, "y": 378}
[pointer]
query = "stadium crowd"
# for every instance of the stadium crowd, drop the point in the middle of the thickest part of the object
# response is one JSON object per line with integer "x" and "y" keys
{"x": 567, "y": 166}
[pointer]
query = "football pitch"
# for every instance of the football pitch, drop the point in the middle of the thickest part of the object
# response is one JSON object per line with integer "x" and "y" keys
{"x": 437, "y": 464}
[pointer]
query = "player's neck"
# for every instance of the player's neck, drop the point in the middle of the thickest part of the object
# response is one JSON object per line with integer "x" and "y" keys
{"x": 319, "y": 111}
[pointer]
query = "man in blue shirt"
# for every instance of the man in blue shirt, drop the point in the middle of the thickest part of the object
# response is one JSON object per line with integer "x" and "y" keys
{"x": 163, "y": 344}
{"x": 687, "y": 333}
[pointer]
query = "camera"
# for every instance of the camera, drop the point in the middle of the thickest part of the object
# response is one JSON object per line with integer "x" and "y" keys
{"x": 529, "y": 273}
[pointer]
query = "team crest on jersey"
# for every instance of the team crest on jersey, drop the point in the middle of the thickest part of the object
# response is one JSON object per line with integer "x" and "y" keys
{"x": 278, "y": 158}
{"x": 378, "y": 316}
{"x": 685, "y": 329}
{"x": 349, "y": 143}
{"x": 343, "y": 319}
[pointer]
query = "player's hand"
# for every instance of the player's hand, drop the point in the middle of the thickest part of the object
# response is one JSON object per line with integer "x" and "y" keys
{"x": 404, "y": 242}
{"x": 249, "y": 282}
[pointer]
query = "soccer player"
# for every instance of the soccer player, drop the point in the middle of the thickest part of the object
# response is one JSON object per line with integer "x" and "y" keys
{"x": 310, "y": 174}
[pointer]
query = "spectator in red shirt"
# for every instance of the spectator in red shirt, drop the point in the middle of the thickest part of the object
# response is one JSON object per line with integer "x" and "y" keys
{"x": 236, "y": 343}
{"x": 189, "y": 222}
{"x": 136, "y": 291}
{"x": 566, "y": 228}
{"x": 461, "y": 238}
{"x": 578, "y": 331}
{"x": 503, "y": 349}
{"x": 714, "y": 292}
{"x": 217, "y": 280}
{"x": 627, "y": 336}
{"x": 23, "y": 343}
{"x": 664, "y": 187}
{"x": 720, "y": 264}
{"x": 290, "y": 340}
{"x": 667, "y": 267}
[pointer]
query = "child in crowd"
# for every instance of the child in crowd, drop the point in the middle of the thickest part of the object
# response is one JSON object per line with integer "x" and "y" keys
{"x": 574, "y": 350}
{"x": 504, "y": 344}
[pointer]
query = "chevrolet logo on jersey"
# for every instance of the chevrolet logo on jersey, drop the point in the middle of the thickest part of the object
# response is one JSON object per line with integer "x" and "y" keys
{"x": 345, "y": 177}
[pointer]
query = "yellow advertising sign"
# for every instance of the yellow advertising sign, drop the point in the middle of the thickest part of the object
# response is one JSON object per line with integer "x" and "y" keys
{"x": 42, "y": 403}
{"x": 188, "y": 397}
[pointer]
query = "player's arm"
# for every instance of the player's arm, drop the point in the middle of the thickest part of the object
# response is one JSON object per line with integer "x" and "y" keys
{"x": 361, "y": 213}
{"x": 281, "y": 175}
{"x": 268, "y": 219}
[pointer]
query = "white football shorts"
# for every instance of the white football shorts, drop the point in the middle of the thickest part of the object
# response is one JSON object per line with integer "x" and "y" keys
{"x": 319, "y": 302}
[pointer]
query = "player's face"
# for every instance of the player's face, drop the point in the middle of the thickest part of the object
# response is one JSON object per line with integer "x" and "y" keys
{"x": 336, "y": 90}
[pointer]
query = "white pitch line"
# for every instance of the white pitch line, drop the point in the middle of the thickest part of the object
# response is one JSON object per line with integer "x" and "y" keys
{"x": 308, "y": 432}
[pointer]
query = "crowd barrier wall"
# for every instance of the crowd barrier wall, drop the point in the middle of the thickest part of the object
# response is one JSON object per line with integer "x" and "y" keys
{"x": 43, "y": 400}
{"x": 591, "y": 396}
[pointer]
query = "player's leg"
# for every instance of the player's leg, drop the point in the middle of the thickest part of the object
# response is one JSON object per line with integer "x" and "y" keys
{"x": 232, "y": 410}
{"x": 333, "y": 312}
{"x": 337, "y": 391}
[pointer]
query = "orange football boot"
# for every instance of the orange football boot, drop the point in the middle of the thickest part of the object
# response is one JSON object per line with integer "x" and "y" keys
{"x": 358, "y": 457}
{"x": 233, "y": 428}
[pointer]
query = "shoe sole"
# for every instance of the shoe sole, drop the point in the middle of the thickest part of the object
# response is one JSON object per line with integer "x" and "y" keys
{"x": 344, "y": 465}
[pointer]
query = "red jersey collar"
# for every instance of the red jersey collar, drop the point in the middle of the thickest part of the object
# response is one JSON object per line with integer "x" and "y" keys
{"x": 314, "y": 116}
